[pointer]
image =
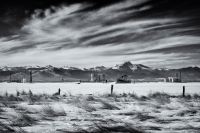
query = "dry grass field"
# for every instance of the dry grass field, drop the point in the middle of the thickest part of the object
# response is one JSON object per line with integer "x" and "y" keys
{"x": 26, "y": 112}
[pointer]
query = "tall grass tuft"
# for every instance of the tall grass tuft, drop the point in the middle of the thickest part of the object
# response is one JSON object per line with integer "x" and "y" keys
{"x": 6, "y": 100}
{"x": 6, "y": 94}
{"x": 23, "y": 92}
{"x": 17, "y": 93}
{"x": 107, "y": 105}
{"x": 128, "y": 128}
{"x": 133, "y": 95}
{"x": 4, "y": 128}
{"x": 196, "y": 96}
{"x": 161, "y": 98}
{"x": 14, "y": 98}
{"x": 30, "y": 93}
{"x": 189, "y": 111}
{"x": 52, "y": 112}
{"x": 144, "y": 116}
{"x": 90, "y": 98}
{"x": 23, "y": 120}
{"x": 32, "y": 99}
{"x": 85, "y": 105}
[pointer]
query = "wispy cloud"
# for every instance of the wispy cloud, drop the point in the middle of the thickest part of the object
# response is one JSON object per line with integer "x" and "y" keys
{"x": 75, "y": 36}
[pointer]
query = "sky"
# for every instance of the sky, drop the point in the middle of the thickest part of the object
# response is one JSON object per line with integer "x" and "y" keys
{"x": 88, "y": 33}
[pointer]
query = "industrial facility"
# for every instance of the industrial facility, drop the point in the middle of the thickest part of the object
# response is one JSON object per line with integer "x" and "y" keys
{"x": 123, "y": 79}
{"x": 98, "y": 77}
{"x": 14, "y": 78}
{"x": 177, "y": 78}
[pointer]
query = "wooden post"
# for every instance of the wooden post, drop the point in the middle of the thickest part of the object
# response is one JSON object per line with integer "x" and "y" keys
{"x": 183, "y": 91}
{"x": 111, "y": 90}
{"x": 59, "y": 91}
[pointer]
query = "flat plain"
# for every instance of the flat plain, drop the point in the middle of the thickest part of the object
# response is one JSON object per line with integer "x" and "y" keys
{"x": 99, "y": 88}
{"x": 90, "y": 108}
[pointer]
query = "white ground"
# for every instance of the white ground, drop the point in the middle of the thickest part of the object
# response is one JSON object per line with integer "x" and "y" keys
{"x": 100, "y": 88}
{"x": 71, "y": 113}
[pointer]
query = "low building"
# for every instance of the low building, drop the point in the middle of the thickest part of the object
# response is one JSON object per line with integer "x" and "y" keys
{"x": 162, "y": 80}
{"x": 174, "y": 79}
{"x": 98, "y": 77}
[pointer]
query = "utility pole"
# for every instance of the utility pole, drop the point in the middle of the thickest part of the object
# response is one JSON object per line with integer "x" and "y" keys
{"x": 30, "y": 76}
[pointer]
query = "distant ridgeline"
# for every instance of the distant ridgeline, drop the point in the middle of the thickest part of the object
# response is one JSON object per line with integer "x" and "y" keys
{"x": 133, "y": 72}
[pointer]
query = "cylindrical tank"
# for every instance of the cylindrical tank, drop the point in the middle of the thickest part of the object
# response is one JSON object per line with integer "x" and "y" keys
{"x": 99, "y": 78}
{"x": 104, "y": 77}
{"x": 23, "y": 80}
{"x": 92, "y": 78}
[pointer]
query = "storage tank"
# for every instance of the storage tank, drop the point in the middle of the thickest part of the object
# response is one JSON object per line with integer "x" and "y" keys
{"x": 92, "y": 77}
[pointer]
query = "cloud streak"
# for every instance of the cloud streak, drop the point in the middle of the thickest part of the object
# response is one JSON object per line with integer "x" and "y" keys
{"x": 77, "y": 35}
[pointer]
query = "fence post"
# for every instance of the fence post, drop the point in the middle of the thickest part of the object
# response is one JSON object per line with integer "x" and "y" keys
{"x": 59, "y": 91}
{"x": 183, "y": 91}
{"x": 111, "y": 90}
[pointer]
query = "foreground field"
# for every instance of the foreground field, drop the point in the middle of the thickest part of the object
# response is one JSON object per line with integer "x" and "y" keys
{"x": 122, "y": 112}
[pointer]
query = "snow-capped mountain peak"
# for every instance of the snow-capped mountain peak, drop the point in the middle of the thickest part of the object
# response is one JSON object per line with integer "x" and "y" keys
{"x": 98, "y": 68}
{"x": 70, "y": 68}
{"x": 5, "y": 68}
{"x": 49, "y": 66}
{"x": 131, "y": 67}
{"x": 160, "y": 69}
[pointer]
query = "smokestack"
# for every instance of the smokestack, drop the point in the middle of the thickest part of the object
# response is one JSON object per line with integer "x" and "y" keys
{"x": 30, "y": 76}
{"x": 177, "y": 75}
{"x": 10, "y": 76}
{"x": 99, "y": 78}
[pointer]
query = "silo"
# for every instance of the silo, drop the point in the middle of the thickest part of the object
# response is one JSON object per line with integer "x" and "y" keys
{"x": 31, "y": 77}
{"x": 99, "y": 78}
{"x": 177, "y": 75}
{"x": 23, "y": 80}
{"x": 103, "y": 77}
{"x": 92, "y": 78}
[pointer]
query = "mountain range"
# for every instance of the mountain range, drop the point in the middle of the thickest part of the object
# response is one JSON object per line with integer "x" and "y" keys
{"x": 67, "y": 73}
